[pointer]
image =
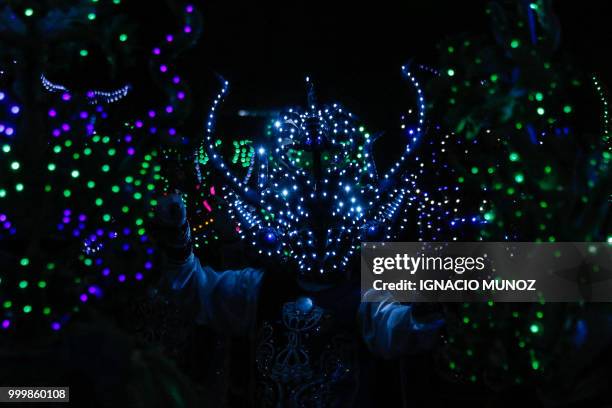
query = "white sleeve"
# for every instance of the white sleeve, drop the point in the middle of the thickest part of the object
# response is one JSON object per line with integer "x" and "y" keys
{"x": 225, "y": 301}
{"x": 390, "y": 330}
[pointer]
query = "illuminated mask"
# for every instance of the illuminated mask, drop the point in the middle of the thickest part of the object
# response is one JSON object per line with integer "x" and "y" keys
{"x": 315, "y": 194}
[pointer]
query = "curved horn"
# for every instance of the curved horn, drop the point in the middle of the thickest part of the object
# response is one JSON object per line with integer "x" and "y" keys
{"x": 215, "y": 158}
{"x": 389, "y": 180}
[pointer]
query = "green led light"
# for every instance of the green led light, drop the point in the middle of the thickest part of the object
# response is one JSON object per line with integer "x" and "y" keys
{"x": 540, "y": 111}
{"x": 535, "y": 364}
{"x": 83, "y": 53}
{"x": 24, "y": 262}
{"x": 46, "y": 310}
{"x": 567, "y": 109}
{"x": 534, "y": 328}
{"x": 514, "y": 157}
{"x": 51, "y": 167}
{"x": 515, "y": 43}
{"x": 547, "y": 169}
{"x": 91, "y": 16}
{"x": 115, "y": 189}
{"x": 105, "y": 168}
{"x": 67, "y": 193}
{"x": 42, "y": 284}
{"x": 474, "y": 170}
{"x": 19, "y": 187}
{"x": 7, "y": 304}
{"x": 23, "y": 284}
{"x": 123, "y": 37}
{"x": 15, "y": 165}
{"x": 519, "y": 178}
{"x": 2, "y": 193}
{"x": 75, "y": 173}
{"x": 106, "y": 217}
{"x": 450, "y": 72}
{"x": 91, "y": 184}
{"x": 6, "y": 148}
{"x": 99, "y": 202}
{"x": 539, "y": 96}
{"x": 28, "y": 12}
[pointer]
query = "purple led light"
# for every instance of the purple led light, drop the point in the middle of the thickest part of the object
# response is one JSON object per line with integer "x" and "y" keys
{"x": 169, "y": 109}
{"x": 66, "y": 96}
{"x": 180, "y": 95}
{"x": 138, "y": 276}
{"x": 176, "y": 79}
{"x": 138, "y": 124}
{"x": 105, "y": 272}
{"x": 65, "y": 127}
{"x": 55, "y": 326}
{"x": 56, "y": 132}
{"x": 83, "y": 115}
{"x": 163, "y": 68}
{"x": 148, "y": 265}
{"x": 156, "y": 51}
{"x": 15, "y": 109}
{"x": 9, "y": 131}
{"x": 2, "y": 217}
{"x": 83, "y": 297}
{"x": 189, "y": 8}
{"x": 131, "y": 151}
{"x": 151, "y": 114}
{"x": 121, "y": 278}
{"x": 52, "y": 113}
{"x": 169, "y": 38}
{"x": 187, "y": 29}
{"x": 6, "y": 324}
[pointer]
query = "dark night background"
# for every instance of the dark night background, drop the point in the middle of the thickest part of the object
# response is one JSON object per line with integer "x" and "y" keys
{"x": 352, "y": 50}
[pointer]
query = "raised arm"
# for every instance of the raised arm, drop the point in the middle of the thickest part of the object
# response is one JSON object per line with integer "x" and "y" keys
{"x": 225, "y": 301}
{"x": 390, "y": 329}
